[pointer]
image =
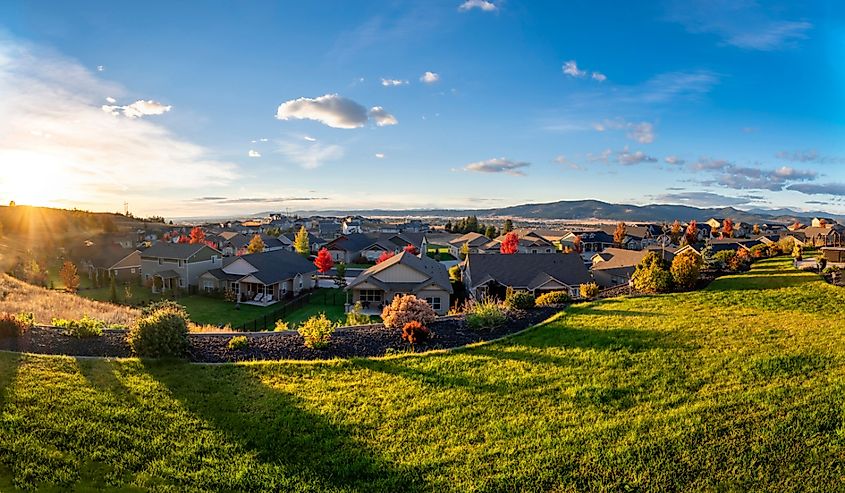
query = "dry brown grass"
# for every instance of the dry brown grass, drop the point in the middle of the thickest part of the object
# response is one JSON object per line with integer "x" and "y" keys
{"x": 210, "y": 328}
{"x": 17, "y": 296}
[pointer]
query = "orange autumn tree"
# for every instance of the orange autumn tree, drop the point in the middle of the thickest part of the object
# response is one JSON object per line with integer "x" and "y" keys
{"x": 324, "y": 261}
{"x": 197, "y": 236}
{"x": 510, "y": 244}
{"x": 384, "y": 256}
{"x": 691, "y": 234}
{"x": 619, "y": 234}
{"x": 577, "y": 246}
{"x": 727, "y": 228}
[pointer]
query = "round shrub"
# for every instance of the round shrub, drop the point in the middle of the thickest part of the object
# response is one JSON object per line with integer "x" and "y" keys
{"x": 238, "y": 343}
{"x": 13, "y": 325}
{"x": 519, "y": 300}
{"x": 317, "y": 331}
{"x": 553, "y": 298}
{"x": 415, "y": 332}
{"x": 686, "y": 269}
{"x": 651, "y": 275}
{"x": 588, "y": 290}
{"x": 83, "y": 328}
{"x": 407, "y": 308}
{"x": 163, "y": 333}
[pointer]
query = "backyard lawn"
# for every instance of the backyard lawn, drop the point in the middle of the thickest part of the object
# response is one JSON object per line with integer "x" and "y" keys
{"x": 738, "y": 387}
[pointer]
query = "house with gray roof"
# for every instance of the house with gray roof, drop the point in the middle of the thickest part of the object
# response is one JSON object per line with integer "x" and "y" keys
{"x": 401, "y": 274}
{"x": 261, "y": 278}
{"x": 615, "y": 266}
{"x": 368, "y": 247}
{"x": 171, "y": 266}
{"x": 492, "y": 274}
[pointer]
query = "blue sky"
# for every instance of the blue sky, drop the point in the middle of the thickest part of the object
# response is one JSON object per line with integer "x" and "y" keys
{"x": 225, "y": 107}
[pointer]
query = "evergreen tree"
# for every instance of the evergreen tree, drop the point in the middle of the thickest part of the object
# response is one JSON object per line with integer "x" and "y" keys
{"x": 508, "y": 226}
{"x": 113, "y": 290}
{"x": 490, "y": 231}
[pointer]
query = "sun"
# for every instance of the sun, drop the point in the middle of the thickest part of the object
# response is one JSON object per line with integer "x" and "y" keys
{"x": 32, "y": 178}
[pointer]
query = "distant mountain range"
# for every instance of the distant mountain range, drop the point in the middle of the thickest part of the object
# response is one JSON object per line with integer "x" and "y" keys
{"x": 598, "y": 210}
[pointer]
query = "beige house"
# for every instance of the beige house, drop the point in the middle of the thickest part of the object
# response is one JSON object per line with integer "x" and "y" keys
{"x": 404, "y": 273}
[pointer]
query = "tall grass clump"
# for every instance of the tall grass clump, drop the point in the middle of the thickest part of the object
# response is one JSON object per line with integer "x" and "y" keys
{"x": 486, "y": 314}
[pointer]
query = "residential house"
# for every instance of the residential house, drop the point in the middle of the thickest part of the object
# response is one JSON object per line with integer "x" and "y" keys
{"x": 491, "y": 274}
{"x": 261, "y": 278}
{"x": 530, "y": 242}
{"x": 834, "y": 255}
{"x": 414, "y": 226}
{"x": 351, "y": 226}
{"x": 615, "y": 266}
{"x": 368, "y": 247}
{"x": 553, "y": 236}
{"x": 329, "y": 229}
{"x": 168, "y": 266}
{"x": 404, "y": 273}
{"x": 475, "y": 243}
{"x": 314, "y": 241}
{"x": 721, "y": 244}
{"x": 820, "y": 236}
{"x": 111, "y": 261}
{"x": 818, "y": 222}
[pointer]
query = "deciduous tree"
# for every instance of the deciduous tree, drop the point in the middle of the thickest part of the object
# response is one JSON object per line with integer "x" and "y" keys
{"x": 691, "y": 233}
{"x": 675, "y": 232}
{"x": 412, "y": 249}
{"x": 324, "y": 261}
{"x": 727, "y": 228}
{"x": 577, "y": 245}
{"x": 256, "y": 245}
{"x": 619, "y": 234}
{"x": 69, "y": 276}
{"x": 510, "y": 244}
{"x": 384, "y": 256}
{"x": 197, "y": 236}
{"x": 686, "y": 269}
{"x": 300, "y": 242}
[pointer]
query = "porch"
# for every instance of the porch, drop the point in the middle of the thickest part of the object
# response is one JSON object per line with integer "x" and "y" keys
{"x": 165, "y": 281}
{"x": 258, "y": 294}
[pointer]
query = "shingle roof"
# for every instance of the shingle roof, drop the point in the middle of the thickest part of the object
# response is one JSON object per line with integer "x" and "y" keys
{"x": 523, "y": 270}
{"x": 355, "y": 242}
{"x": 436, "y": 272}
{"x": 474, "y": 240}
{"x": 182, "y": 251}
{"x": 275, "y": 266}
{"x": 622, "y": 258}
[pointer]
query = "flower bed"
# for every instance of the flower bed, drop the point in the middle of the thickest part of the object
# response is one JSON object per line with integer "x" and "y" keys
{"x": 347, "y": 342}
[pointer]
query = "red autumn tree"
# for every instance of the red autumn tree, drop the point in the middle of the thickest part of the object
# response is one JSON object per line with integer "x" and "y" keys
{"x": 727, "y": 228}
{"x": 510, "y": 244}
{"x": 384, "y": 256}
{"x": 577, "y": 246}
{"x": 691, "y": 234}
{"x": 412, "y": 249}
{"x": 197, "y": 235}
{"x": 184, "y": 239}
{"x": 324, "y": 261}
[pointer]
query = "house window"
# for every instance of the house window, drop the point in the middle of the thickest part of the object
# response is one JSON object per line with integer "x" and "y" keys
{"x": 159, "y": 261}
{"x": 370, "y": 296}
{"x": 433, "y": 302}
{"x": 181, "y": 283}
{"x": 132, "y": 270}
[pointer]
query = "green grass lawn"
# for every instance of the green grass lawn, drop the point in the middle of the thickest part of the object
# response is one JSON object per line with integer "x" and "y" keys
{"x": 738, "y": 387}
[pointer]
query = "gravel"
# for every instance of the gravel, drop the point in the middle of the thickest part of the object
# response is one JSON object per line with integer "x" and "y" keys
{"x": 347, "y": 342}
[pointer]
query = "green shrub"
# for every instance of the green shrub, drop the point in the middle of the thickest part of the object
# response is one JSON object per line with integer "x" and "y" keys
{"x": 165, "y": 305}
{"x": 82, "y": 328}
{"x": 652, "y": 275}
{"x": 281, "y": 326}
{"x": 588, "y": 290}
{"x": 162, "y": 333}
{"x": 686, "y": 269}
{"x": 355, "y": 317}
{"x": 317, "y": 331}
{"x": 27, "y": 318}
{"x": 553, "y": 298}
{"x": 238, "y": 343}
{"x": 485, "y": 314}
{"x": 12, "y": 325}
{"x": 519, "y": 300}
{"x": 415, "y": 332}
{"x": 722, "y": 260}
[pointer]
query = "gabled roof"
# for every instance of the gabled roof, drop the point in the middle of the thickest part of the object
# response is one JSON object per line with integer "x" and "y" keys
{"x": 814, "y": 231}
{"x": 435, "y": 271}
{"x": 622, "y": 258}
{"x": 474, "y": 240}
{"x": 356, "y": 242}
{"x": 106, "y": 256}
{"x": 526, "y": 270}
{"x": 275, "y": 266}
{"x": 180, "y": 251}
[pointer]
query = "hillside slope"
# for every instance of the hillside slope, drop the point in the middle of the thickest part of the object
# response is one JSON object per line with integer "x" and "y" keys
{"x": 738, "y": 387}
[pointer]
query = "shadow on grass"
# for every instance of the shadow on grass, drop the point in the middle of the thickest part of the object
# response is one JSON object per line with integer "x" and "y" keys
{"x": 278, "y": 428}
{"x": 9, "y": 364}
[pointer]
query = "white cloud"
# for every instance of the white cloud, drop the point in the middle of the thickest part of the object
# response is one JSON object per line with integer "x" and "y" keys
{"x": 309, "y": 138}
{"x": 561, "y": 159}
{"x": 263, "y": 140}
{"x": 101, "y": 68}
{"x": 642, "y": 132}
{"x": 498, "y": 165}
{"x": 626, "y": 157}
{"x": 312, "y": 155}
{"x": 674, "y": 160}
{"x": 138, "y": 109}
{"x": 599, "y": 76}
{"x": 393, "y": 82}
{"x": 331, "y": 110}
{"x": 90, "y": 159}
{"x": 334, "y": 111}
{"x": 703, "y": 199}
{"x": 253, "y": 153}
{"x": 571, "y": 68}
{"x": 728, "y": 174}
{"x": 484, "y": 5}
{"x": 381, "y": 117}
{"x": 430, "y": 77}
{"x": 380, "y": 155}
{"x": 110, "y": 100}
{"x": 743, "y": 24}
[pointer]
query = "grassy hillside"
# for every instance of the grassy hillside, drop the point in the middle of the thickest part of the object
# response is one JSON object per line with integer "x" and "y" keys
{"x": 17, "y": 296}
{"x": 739, "y": 387}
